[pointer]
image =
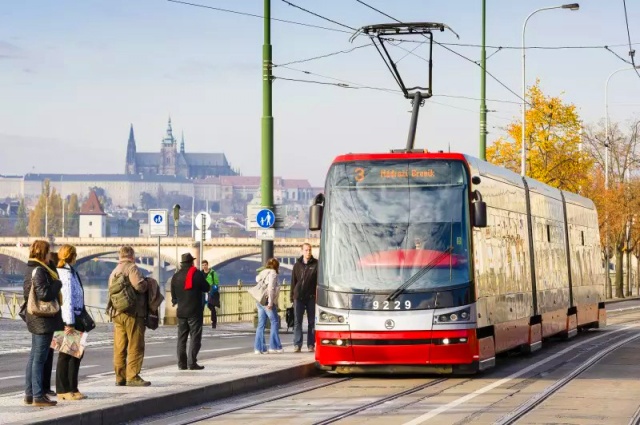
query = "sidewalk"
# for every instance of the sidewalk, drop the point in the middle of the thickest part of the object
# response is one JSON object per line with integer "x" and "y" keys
{"x": 171, "y": 389}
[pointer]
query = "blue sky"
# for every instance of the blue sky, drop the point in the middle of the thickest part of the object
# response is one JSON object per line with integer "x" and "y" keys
{"x": 75, "y": 74}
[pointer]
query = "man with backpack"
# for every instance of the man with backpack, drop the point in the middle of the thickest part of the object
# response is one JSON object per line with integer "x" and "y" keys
{"x": 128, "y": 306}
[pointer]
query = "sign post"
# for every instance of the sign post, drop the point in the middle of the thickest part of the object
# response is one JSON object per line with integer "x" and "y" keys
{"x": 203, "y": 221}
{"x": 159, "y": 226}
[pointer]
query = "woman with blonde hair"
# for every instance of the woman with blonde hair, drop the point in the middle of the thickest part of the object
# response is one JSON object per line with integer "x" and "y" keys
{"x": 46, "y": 288}
{"x": 268, "y": 307}
{"x": 73, "y": 294}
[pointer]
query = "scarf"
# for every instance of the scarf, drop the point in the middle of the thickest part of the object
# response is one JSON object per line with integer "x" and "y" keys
{"x": 188, "y": 283}
{"x": 53, "y": 274}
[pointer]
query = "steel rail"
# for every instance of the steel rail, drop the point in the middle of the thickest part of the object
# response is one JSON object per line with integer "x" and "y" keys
{"x": 379, "y": 401}
{"x": 534, "y": 401}
{"x": 248, "y": 405}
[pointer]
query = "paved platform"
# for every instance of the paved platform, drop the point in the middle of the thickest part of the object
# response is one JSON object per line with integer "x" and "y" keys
{"x": 171, "y": 389}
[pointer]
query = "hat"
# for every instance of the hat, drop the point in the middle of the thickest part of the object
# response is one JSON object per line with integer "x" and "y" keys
{"x": 187, "y": 258}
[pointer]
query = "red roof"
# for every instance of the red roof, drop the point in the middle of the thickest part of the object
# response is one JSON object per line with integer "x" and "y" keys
{"x": 92, "y": 205}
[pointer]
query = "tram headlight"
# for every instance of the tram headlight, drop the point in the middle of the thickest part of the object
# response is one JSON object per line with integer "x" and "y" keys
{"x": 459, "y": 316}
{"x": 326, "y": 317}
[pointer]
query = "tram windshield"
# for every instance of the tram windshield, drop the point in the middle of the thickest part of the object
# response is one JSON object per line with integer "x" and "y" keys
{"x": 395, "y": 223}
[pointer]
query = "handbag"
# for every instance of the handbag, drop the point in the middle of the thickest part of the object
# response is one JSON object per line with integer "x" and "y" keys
{"x": 151, "y": 320}
{"x": 23, "y": 311}
{"x": 39, "y": 308}
{"x": 84, "y": 321}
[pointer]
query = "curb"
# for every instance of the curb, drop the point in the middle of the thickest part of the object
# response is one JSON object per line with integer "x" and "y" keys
{"x": 140, "y": 409}
{"x": 620, "y": 300}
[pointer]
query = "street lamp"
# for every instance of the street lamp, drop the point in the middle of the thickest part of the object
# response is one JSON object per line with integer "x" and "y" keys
{"x": 570, "y": 6}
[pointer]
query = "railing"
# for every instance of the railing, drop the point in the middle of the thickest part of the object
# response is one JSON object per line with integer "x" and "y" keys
{"x": 236, "y": 305}
{"x": 10, "y": 303}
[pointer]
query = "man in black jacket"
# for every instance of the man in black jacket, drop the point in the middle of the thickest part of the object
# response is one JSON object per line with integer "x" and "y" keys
{"x": 304, "y": 280}
{"x": 187, "y": 288}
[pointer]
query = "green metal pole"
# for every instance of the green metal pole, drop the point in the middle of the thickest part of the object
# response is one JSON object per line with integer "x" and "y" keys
{"x": 266, "y": 185}
{"x": 483, "y": 86}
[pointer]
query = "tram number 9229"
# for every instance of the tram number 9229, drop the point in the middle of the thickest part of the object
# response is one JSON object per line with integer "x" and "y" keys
{"x": 391, "y": 305}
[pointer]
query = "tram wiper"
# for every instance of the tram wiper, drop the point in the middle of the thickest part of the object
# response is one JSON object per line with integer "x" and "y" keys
{"x": 417, "y": 275}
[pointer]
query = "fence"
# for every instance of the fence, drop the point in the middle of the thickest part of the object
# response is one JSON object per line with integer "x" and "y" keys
{"x": 236, "y": 304}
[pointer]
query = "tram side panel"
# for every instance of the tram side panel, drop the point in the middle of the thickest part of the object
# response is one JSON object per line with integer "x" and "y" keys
{"x": 501, "y": 264}
{"x": 587, "y": 270}
{"x": 552, "y": 274}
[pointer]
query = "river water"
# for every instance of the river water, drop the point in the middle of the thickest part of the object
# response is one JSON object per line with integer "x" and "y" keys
{"x": 95, "y": 285}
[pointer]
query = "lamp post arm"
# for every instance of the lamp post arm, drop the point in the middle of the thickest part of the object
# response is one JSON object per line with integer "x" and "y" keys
{"x": 523, "y": 159}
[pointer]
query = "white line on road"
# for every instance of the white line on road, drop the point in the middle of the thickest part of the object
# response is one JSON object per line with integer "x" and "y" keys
{"x": 213, "y": 350}
{"x": 459, "y": 401}
{"x": 101, "y": 375}
{"x": 11, "y": 377}
{"x": 158, "y": 356}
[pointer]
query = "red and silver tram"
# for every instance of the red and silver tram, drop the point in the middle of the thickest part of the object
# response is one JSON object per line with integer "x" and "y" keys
{"x": 436, "y": 262}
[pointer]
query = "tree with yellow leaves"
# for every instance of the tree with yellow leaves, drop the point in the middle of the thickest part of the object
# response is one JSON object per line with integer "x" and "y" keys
{"x": 554, "y": 155}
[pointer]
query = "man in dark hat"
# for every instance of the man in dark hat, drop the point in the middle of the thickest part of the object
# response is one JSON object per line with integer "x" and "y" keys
{"x": 187, "y": 288}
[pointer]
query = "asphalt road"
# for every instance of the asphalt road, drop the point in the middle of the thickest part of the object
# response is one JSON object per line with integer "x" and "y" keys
{"x": 98, "y": 361}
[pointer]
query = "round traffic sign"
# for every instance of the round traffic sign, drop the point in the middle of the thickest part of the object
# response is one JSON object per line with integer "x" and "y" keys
{"x": 265, "y": 218}
{"x": 198, "y": 219}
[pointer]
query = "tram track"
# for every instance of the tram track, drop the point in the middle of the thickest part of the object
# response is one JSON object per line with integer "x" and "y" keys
{"x": 202, "y": 417}
{"x": 536, "y": 400}
{"x": 379, "y": 401}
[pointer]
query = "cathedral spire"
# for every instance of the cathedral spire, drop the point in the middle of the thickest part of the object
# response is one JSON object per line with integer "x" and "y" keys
{"x": 131, "y": 153}
{"x": 169, "y": 140}
{"x": 182, "y": 143}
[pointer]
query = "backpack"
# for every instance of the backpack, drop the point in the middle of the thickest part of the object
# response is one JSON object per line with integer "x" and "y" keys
{"x": 122, "y": 296}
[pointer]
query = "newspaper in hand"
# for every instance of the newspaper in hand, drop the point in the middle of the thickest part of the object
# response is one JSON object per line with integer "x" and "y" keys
{"x": 72, "y": 344}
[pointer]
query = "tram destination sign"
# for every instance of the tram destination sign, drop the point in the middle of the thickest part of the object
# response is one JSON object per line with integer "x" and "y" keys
{"x": 398, "y": 172}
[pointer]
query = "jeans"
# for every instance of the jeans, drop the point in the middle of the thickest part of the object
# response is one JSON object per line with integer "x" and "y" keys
{"x": 35, "y": 365}
{"x": 274, "y": 337}
{"x": 46, "y": 376}
{"x": 192, "y": 327}
{"x": 299, "y": 308}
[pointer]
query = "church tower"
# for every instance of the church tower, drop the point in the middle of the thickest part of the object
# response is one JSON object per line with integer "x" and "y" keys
{"x": 130, "y": 167}
{"x": 169, "y": 152}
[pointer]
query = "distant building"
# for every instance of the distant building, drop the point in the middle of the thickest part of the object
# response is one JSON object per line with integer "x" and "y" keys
{"x": 93, "y": 220}
{"x": 173, "y": 162}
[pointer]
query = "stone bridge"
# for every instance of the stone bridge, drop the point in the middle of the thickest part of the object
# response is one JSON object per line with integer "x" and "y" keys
{"x": 218, "y": 251}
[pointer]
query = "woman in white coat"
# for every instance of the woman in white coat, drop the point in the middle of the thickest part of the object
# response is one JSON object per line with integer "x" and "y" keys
{"x": 268, "y": 308}
{"x": 73, "y": 303}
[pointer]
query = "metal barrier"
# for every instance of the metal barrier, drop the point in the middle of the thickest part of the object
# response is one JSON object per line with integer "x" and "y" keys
{"x": 236, "y": 305}
{"x": 10, "y": 303}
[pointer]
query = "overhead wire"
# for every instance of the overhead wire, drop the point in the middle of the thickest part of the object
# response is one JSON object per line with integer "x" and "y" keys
{"x": 452, "y": 51}
{"x": 255, "y": 15}
{"x": 632, "y": 52}
{"x": 319, "y": 16}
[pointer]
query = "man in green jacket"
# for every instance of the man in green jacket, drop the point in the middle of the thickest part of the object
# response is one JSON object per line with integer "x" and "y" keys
{"x": 214, "y": 292}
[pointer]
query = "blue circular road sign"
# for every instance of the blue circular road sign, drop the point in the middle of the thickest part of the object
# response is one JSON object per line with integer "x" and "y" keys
{"x": 157, "y": 218}
{"x": 265, "y": 218}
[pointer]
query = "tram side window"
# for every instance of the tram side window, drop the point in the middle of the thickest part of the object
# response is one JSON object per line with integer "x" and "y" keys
{"x": 548, "y": 233}
{"x": 582, "y": 236}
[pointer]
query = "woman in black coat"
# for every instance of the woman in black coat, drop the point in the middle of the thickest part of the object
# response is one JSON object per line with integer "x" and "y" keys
{"x": 47, "y": 288}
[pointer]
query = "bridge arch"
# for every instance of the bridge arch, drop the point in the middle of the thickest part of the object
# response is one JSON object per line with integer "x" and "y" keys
{"x": 87, "y": 254}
